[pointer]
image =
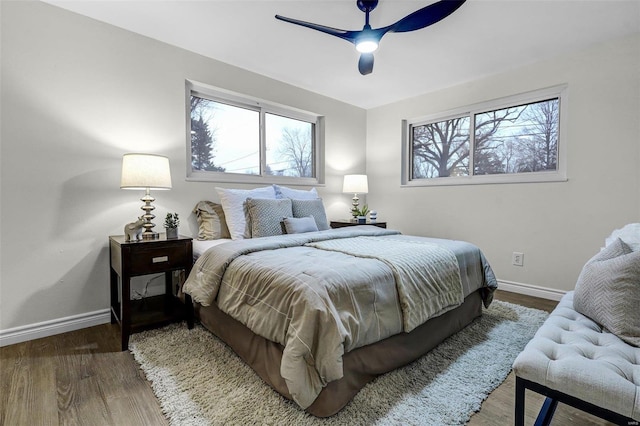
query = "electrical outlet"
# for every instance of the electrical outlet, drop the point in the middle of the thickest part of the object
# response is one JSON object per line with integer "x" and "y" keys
{"x": 517, "y": 258}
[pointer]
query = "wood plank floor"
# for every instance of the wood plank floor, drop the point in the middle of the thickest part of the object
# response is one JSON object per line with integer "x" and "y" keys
{"x": 82, "y": 378}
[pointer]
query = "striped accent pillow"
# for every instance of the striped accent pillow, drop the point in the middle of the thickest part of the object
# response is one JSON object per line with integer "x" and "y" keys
{"x": 608, "y": 291}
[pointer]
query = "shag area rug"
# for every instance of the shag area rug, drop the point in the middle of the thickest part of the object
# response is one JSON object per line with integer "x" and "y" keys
{"x": 201, "y": 381}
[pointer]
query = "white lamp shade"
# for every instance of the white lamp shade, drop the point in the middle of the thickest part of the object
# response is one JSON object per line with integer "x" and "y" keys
{"x": 355, "y": 184}
{"x": 142, "y": 171}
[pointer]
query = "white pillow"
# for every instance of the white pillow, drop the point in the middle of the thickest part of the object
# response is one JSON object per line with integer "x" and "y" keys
{"x": 295, "y": 194}
{"x": 630, "y": 234}
{"x": 232, "y": 201}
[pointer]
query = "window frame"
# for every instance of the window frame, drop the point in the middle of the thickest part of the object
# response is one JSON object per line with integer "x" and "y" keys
{"x": 559, "y": 175}
{"x": 263, "y": 107}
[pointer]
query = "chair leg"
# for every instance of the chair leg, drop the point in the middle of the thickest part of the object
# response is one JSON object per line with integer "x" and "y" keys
{"x": 551, "y": 402}
{"x": 546, "y": 412}
{"x": 519, "y": 414}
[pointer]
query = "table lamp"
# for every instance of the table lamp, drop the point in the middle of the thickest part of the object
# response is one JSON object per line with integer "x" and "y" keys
{"x": 146, "y": 172}
{"x": 355, "y": 184}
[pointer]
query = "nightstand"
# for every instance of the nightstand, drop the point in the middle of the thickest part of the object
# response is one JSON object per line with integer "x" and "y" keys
{"x": 135, "y": 258}
{"x": 343, "y": 223}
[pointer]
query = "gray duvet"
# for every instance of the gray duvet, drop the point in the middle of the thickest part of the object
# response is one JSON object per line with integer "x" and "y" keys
{"x": 322, "y": 294}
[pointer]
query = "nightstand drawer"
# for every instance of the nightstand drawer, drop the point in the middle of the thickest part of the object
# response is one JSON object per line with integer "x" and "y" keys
{"x": 149, "y": 260}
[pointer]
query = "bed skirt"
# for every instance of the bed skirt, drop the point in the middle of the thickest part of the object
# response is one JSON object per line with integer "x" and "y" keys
{"x": 360, "y": 365}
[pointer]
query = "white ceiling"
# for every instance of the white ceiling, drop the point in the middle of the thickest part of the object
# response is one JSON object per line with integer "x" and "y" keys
{"x": 483, "y": 37}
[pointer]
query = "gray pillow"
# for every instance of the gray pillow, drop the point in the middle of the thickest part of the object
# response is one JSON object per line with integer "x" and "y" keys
{"x": 265, "y": 215}
{"x": 315, "y": 208}
{"x": 211, "y": 221}
{"x": 298, "y": 225}
{"x": 608, "y": 291}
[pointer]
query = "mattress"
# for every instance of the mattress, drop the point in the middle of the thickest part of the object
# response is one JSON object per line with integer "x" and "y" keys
{"x": 201, "y": 246}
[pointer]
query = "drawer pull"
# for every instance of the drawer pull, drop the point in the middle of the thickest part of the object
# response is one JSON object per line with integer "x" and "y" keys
{"x": 160, "y": 259}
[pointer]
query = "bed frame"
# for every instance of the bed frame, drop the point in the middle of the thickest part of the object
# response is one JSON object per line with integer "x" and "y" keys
{"x": 361, "y": 365}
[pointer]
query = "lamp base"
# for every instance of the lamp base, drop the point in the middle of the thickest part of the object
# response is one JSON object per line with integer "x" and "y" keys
{"x": 148, "y": 225}
{"x": 150, "y": 235}
{"x": 354, "y": 205}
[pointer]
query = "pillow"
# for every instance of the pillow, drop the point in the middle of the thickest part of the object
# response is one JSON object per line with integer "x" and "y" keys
{"x": 265, "y": 215}
{"x": 608, "y": 291}
{"x": 298, "y": 225}
{"x": 211, "y": 221}
{"x": 315, "y": 208}
{"x": 630, "y": 234}
{"x": 232, "y": 201}
{"x": 295, "y": 194}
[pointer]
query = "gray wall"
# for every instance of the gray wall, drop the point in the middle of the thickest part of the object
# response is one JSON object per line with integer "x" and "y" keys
{"x": 558, "y": 226}
{"x": 76, "y": 95}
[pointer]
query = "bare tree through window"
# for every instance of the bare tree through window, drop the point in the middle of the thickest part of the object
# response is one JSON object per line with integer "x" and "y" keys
{"x": 525, "y": 140}
{"x": 441, "y": 149}
{"x": 289, "y": 146}
{"x": 518, "y": 139}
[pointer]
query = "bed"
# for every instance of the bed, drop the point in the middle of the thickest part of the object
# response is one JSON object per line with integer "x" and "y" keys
{"x": 320, "y": 314}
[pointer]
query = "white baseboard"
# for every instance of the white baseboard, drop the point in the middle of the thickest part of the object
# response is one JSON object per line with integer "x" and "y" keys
{"x": 90, "y": 319}
{"x": 531, "y": 290}
{"x": 52, "y": 327}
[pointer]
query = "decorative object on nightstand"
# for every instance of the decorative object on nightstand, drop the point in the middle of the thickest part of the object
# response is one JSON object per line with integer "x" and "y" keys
{"x": 373, "y": 216}
{"x": 146, "y": 172}
{"x": 344, "y": 223}
{"x": 133, "y": 230}
{"x": 171, "y": 223}
{"x": 361, "y": 214}
{"x": 355, "y": 184}
{"x": 146, "y": 257}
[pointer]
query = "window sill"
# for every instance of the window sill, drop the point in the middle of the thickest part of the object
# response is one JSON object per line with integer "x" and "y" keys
{"x": 252, "y": 179}
{"x": 487, "y": 180}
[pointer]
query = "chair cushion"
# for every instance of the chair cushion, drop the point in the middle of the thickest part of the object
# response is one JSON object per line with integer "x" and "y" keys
{"x": 574, "y": 355}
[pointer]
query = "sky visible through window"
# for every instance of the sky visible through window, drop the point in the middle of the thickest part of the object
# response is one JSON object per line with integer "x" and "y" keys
{"x": 226, "y": 138}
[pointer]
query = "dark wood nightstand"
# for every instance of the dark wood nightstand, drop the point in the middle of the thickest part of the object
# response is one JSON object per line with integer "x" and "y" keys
{"x": 130, "y": 259}
{"x": 343, "y": 223}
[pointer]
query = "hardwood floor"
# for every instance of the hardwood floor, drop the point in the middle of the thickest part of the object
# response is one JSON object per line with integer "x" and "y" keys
{"x": 77, "y": 378}
{"x": 82, "y": 378}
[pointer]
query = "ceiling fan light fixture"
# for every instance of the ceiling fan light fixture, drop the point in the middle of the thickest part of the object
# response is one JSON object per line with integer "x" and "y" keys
{"x": 366, "y": 46}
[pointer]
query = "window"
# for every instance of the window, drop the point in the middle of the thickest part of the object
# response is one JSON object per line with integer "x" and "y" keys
{"x": 516, "y": 139}
{"x": 233, "y": 138}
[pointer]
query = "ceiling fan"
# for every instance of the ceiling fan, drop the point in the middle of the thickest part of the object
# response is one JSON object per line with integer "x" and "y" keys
{"x": 367, "y": 39}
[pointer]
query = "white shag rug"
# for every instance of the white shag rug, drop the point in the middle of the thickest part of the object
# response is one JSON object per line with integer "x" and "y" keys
{"x": 201, "y": 381}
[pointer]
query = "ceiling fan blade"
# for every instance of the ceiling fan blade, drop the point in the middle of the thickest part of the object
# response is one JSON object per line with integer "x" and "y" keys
{"x": 365, "y": 63}
{"x": 426, "y": 16}
{"x": 347, "y": 35}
